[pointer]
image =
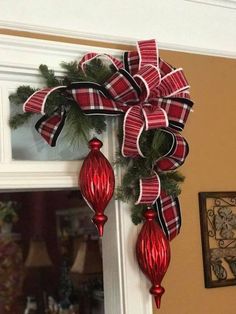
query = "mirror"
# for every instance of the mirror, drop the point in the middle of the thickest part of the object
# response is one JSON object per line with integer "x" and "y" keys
{"x": 50, "y": 254}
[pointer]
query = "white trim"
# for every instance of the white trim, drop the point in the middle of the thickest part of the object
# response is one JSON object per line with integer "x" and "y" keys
{"x": 114, "y": 39}
{"x": 126, "y": 289}
{"x": 227, "y": 4}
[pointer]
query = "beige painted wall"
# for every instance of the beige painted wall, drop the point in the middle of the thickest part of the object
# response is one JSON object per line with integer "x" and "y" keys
{"x": 210, "y": 166}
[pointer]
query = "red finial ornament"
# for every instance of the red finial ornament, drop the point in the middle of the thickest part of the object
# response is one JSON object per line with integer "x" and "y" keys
{"x": 153, "y": 254}
{"x": 97, "y": 182}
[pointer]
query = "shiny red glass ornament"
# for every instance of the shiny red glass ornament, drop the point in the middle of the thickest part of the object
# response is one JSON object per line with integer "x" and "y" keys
{"x": 97, "y": 182}
{"x": 153, "y": 254}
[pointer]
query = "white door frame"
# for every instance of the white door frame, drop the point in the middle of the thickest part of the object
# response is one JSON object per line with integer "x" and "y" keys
{"x": 126, "y": 289}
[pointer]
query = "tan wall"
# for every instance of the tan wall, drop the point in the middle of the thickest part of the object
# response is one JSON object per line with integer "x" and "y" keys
{"x": 210, "y": 166}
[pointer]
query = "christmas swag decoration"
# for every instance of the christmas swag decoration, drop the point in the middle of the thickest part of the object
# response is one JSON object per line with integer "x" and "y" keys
{"x": 152, "y": 101}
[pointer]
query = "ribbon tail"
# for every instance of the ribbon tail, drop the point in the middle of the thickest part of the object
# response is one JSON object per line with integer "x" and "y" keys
{"x": 50, "y": 127}
{"x": 149, "y": 190}
{"x": 172, "y": 83}
{"x": 168, "y": 214}
{"x": 132, "y": 128}
{"x": 36, "y": 102}
{"x": 94, "y": 98}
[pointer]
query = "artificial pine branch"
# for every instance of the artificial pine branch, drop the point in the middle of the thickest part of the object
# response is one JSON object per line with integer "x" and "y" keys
{"x": 98, "y": 72}
{"x": 49, "y": 76}
{"x": 19, "y": 119}
{"x": 137, "y": 213}
{"x": 21, "y": 95}
{"x": 72, "y": 72}
{"x": 77, "y": 125}
{"x": 18, "y": 98}
{"x": 94, "y": 71}
{"x": 97, "y": 123}
{"x": 171, "y": 181}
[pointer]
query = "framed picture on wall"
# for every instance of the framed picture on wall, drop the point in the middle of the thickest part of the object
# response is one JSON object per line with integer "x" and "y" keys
{"x": 218, "y": 234}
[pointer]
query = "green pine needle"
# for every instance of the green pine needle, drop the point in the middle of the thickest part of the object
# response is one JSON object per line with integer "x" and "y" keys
{"x": 19, "y": 119}
{"x": 21, "y": 95}
{"x": 49, "y": 76}
{"x": 72, "y": 72}
{"x": 77, "y": 126}
{"x": 137, "y": 213}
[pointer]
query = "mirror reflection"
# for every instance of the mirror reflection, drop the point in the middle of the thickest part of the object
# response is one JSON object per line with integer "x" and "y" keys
{"x": 50, "y": 254}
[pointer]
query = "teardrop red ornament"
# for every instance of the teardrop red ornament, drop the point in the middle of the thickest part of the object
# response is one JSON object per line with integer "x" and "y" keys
{"x": 153, "y": 254}
{"x": 97, "y": 182}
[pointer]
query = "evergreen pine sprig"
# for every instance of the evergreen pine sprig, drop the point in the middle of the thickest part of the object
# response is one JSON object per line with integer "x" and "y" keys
{"x": 17, "y": 99}
{"x": 19, "y": 119}
{"x": 95, "y": 71}
{"x": 21, "y": 95}
{"x": 77, "y": 123}
{"x": 49, "y": 76}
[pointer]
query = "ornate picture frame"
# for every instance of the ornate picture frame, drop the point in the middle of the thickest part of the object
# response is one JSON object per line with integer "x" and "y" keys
{"x": 218, "y": 234}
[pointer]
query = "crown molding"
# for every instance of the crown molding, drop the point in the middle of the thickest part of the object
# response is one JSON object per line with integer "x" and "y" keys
{"x": 227, "y": 4}
{"x": 99, "y": 41}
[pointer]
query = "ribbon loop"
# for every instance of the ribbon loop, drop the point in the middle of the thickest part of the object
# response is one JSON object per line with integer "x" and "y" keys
{"x": 94, "y": 98}
{"x": 92, "y": 55}
{"x": 148, "y": 53}
{"x": 123, "y": 88}
{"x": 172, "y": 83}
{"x": 131, "y": 62}
{"x": 149, "y": 190}
{"x": 132, "y": 128}
{"x": 36, "y": 102}
{"x": 148, "y": 77}
{"x": 177, "y": 154}
{"x": 155, "y": 117}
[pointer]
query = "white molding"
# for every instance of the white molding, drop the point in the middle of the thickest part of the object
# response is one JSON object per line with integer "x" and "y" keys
{"x": 111, "y": 39}
{"x": 132, "y": 288}
{"x": 55, "y": 47}
{"x": 227, "y": 4}
{"x": 126, "y": 289}
{"x": 65, "y": 32}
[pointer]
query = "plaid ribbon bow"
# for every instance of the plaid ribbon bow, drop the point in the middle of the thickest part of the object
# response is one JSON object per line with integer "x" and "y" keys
{"x": 151, "y": 94}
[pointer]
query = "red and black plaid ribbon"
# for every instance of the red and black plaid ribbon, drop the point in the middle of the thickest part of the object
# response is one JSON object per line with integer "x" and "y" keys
{"x": 50, "y": 126}
{"x": 148, "y": 91}
{"x": 168, "y": 214}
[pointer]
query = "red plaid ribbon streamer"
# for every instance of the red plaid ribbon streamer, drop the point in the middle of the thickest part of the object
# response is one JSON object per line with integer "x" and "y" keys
{"x": 36, "y": 102}
{"x": 50, "y": 127}
{"x": 151, "y": 94}
{"x": 168, "y": 214}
